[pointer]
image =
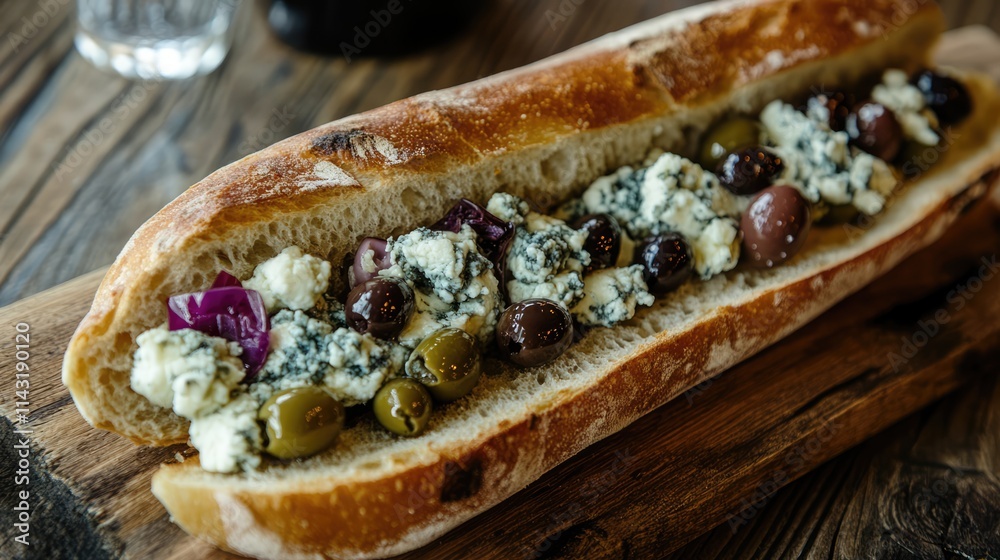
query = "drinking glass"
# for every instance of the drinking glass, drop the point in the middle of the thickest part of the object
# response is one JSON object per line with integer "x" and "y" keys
{"x": 155, "y": 39}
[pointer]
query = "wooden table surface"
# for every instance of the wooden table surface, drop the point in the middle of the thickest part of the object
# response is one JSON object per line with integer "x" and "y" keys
{"x": 86, "y": 157}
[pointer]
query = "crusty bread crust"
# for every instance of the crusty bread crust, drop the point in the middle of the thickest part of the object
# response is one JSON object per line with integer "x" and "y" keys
{"x": 543, "y": 131}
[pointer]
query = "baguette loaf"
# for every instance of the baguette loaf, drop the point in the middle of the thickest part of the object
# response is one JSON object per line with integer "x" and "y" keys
{"x": 545, "y": 132}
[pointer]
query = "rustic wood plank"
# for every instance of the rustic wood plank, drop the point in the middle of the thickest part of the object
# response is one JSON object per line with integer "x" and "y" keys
{"x": 927, "y": 488}
{"x": 26, "y": 68}
{"x": 977, "y": 12}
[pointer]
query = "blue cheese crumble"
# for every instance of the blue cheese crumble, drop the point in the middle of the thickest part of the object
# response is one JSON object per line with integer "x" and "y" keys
{"x": 453, "y": 283}
{"x": 910, "y": 107}
{"x": 612, "y": 296}
{"x": 229, "y": 440}
{"x": 820, "y": 163}
{"x": 546, "y": 259}
{"x": 361, "y": 364}
{"x": 299, "y": 354}
{"x": 307, "y": 351}
{"x": 675, "y": 195}
{"x": 186, "y": 370}
{"x": 508, "y": 208}
{"x": 290, "y": 280}
{"x": 329, "y": 310}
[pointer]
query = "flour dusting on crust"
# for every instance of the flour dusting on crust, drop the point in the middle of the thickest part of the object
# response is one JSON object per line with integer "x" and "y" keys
{"x": 367, "y": 145}
{"x": 329, "y": 175}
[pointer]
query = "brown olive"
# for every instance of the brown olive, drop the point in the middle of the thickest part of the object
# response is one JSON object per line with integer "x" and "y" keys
{"x": 301, "y": 422}
{"x": 775, "y": 226}
{"x": 874, "y": 129}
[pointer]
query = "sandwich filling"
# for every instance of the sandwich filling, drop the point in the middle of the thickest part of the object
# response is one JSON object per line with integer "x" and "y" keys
{"x": 267, "y": 367}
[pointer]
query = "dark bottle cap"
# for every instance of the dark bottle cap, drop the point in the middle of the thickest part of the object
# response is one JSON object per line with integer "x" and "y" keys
{"x": 358, "y": 28}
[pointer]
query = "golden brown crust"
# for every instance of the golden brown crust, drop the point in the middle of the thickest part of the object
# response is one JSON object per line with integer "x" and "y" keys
{"x": 728, "y": 50}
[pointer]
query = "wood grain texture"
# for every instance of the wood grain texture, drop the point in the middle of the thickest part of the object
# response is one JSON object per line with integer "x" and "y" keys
{"x": 927, "y": 488}
{"x": 70, "y": 198}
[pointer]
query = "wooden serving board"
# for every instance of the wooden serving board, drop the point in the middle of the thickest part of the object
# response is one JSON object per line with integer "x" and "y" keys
{"x": 713, "y": 457}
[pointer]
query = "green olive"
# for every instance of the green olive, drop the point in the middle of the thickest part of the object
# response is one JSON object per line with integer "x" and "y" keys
{"x": 301, "y": 422}
{"x": 448, "y": 363}
{"x": 403, "y": 406}
{"x": 725, "y": 137}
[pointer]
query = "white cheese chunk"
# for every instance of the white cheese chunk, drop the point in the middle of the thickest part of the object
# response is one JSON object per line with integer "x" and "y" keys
{"x": 186, "y": 370}
{"x": 453, "y": 283}
{"x": 566, "y": 289}
{"x": 368, "y": 262}
{"x": 508, "y": 208}
{"x": 820, "y": 163}
{"x": 611, "y": 296}
{"x": 909, "y": 105}
{"x": 674, "y": 195}
{"x": 361, "y": 364}
{"x": 290, "y": 280}
{"x": 618, "y": 194}
{"x": 299, "y": 354}
{"x": 229, "y": 440}
{"x": 546, "y": 259}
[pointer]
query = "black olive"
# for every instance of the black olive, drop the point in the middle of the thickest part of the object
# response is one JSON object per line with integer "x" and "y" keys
{"x": 534, "y": 332}
{"x": 380, "y": 307}
{"x": 775, "y": 226}
{"x": 749, "y": 170}
{"x": 604, "y": 241}
{"x": 838, "y": 106}
{"x": 666, "y": 262}
{"x": 946, "y": 96}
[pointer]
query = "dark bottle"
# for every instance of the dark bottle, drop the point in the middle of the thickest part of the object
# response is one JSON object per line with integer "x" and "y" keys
{"x": 357, "y": 28}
